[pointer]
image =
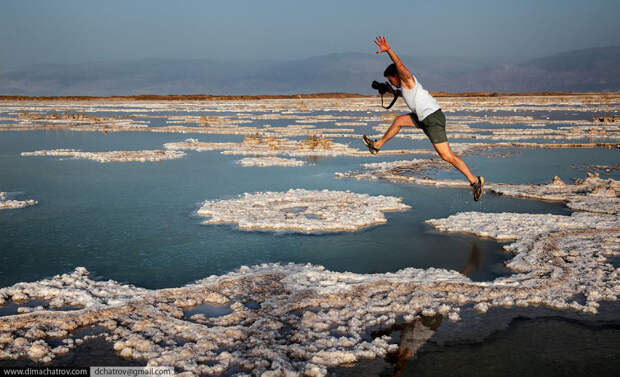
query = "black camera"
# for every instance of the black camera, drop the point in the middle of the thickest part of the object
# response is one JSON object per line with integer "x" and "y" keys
{"x": 382, "y": 87}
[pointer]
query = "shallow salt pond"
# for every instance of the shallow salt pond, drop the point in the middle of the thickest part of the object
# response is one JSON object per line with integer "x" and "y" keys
{"x": 534, "y": 165}
{"x": 137, "y": 222}
{"x": 207, "y": 310}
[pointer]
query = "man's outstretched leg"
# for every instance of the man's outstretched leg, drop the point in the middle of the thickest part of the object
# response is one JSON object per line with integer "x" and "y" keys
{"x": 435, "y": 130}
{"x": 446, "y": 154}
{"x": 477, "y": 183}
{"x": 397, "y": 123}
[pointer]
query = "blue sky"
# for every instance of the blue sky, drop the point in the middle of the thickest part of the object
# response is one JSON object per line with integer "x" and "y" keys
{"x": 75, "y": 31}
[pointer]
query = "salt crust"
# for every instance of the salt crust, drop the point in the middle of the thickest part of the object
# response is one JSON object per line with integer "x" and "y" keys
{"x": 397, "y": 171}
{"x": 34, "y": 116}
{"x": 111, "y": 156}
{"x": 273, "y": 147}
{"x": 607, "y": 169}
{"x": 304, "y": 211}
{"x": 72, "y": 122}
{"x": 310, "y": 318}
{"x": 276, "y": 147}
{"x": 591, "y": 194}
{"x": 12, "y": 204}
{"x": 507, "y": 133}
{"x": 290, "y": 108}
{"x": 270, "y": 161}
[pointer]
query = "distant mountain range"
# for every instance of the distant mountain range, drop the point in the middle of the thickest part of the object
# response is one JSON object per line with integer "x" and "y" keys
{"x": 595, "y": 69}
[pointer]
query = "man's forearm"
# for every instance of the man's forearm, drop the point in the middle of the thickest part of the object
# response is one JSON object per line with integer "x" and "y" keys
{"x": 400, "y": 67}
{"x": 394, "y": 57}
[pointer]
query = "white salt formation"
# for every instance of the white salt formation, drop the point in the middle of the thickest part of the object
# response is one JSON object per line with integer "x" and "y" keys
{"x": 112, "y": 156}
{"x": 571, "y": 250}
{"x": 308, "y": 318}
{"x": 591, "y": 194}
{"x": 72, "y": 121}
{"x": 577, "y": 130}
{"x": 301, "y": 210}
{"x": 601, "y": 168}
{"x": 5, "y": 203}
{"x": 269, "y": 146}
{"x": 404, "y": 171}
{"x": 270, "y": 161}
{"x": 244, "y": 117}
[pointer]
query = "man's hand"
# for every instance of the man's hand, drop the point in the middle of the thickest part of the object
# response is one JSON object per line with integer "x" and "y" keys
{"x": 382, "y": 43}
{"x": 407, "y": 80}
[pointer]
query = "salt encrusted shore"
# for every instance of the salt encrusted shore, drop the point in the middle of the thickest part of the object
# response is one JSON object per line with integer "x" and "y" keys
{"x": 304, "y": 211}
{"x": 111, "y": 156}
{"x": 270, "y": 161}
{"x": 305, "y": 318}
{"x": 591, "y": 194}
{"x": 577, "y": 130}
{"x": 300, "y": 319}
{"x": 606, "y": 169}
{"x": 247, "y": 118}
{"x": 5, "y": 203}
{"x": 268, "y": 146}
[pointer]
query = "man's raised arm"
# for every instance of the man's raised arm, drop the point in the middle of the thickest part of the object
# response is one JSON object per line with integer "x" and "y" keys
{"x": 403, "y": 72}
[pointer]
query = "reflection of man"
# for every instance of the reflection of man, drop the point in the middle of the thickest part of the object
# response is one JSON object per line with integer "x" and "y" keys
{"x": 412, "y": 337}
{"x": 426, "y": 114}
{"x": 473, "y": 262}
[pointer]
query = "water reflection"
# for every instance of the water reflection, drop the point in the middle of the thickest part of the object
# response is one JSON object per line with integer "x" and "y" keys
{"x": 412, "y": 337}
{"x": 473, "y": 262}
{"x": 415, "y": 334}
{"x": 313, "y": 160}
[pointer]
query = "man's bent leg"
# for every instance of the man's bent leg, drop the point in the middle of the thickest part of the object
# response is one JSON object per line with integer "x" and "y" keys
{"x": 399, "y": 121}
{"x": 444, "y": 151}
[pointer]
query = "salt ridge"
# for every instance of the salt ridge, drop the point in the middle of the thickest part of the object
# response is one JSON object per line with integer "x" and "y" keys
{"x": 111, "y": 156}
{"x": 5, "y": 203}
{"x": 270, "y": 161}
{"x": 304, "y": 211}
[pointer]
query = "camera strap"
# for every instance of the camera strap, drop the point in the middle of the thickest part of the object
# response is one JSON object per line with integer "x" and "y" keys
{"x": 396, "y": 95}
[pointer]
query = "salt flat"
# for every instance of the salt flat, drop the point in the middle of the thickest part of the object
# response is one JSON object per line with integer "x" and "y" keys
{"x": 282, "y": 310}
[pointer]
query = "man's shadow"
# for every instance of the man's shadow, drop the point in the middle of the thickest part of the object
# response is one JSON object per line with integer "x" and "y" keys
{"x": 415, "y": 334}
{"x": 473, "y": 262}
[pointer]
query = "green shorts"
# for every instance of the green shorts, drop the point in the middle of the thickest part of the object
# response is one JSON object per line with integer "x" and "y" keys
{"x": 434, "y": 126}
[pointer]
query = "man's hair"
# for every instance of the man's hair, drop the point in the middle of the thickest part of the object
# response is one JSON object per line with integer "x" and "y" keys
{"x": 390, "y": 70}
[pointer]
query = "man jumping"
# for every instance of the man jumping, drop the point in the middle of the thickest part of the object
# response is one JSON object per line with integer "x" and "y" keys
{"x": 426, "y": 114}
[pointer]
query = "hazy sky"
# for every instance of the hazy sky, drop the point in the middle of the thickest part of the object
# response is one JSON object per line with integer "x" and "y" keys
{"x": 75, "y": 31}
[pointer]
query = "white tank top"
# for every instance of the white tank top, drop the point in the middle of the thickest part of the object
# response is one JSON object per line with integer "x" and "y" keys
{"x": 419, "y": 100}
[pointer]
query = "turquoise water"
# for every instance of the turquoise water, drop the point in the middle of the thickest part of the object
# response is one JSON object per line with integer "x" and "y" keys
{"x": 137, "y": 222}
{"x": 537, "y": 166}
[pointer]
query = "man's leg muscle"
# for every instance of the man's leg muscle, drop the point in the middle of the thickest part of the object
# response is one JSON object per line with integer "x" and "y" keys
{"x": 399, "y": 121}
{"x": 444, "y": 151}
